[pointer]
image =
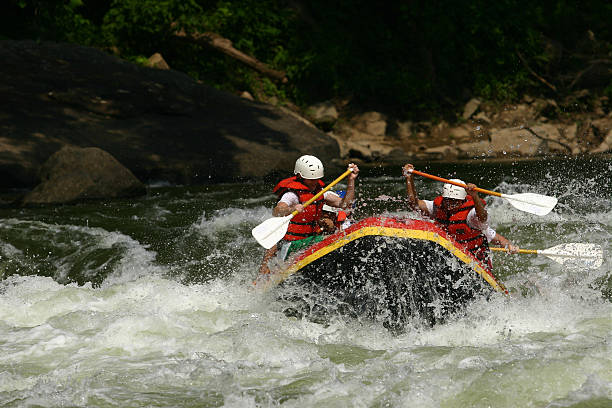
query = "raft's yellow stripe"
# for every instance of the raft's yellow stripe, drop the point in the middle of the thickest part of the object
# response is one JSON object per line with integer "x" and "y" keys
{"x": 391, "y": 232}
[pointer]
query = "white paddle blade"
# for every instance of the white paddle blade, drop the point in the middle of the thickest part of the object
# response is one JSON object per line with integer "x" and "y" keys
{"x": 537, "y": 204}
{"x": 272, "y": 230}
{"x": 589, "y": 255}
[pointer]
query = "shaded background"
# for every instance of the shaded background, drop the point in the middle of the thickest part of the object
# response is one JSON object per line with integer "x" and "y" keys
{"x": 410, "y": 58}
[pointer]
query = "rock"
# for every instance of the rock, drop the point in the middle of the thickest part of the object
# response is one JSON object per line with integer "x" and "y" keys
{"x": 605, "y": 146}
{"x": 403, "y": 130}
{"x": 364, "y": 137}
{"x": 474, "y": 149}
{"x": 357, "y": 144}
{"x": 470, "y": 108}
{"x": 297, "y": 116}
{"x": 161, "y": 124}
{"x": 482, "y": 118}
{"x": 398, "y": 157}
{"x": 462, "y": 132}
{"x": 603, "y": 126}
{"x": 514, "y": 116}
{"x": 74, "y": 174}
{"x": 480, "y": 132}
{"x": 528, "y": 98}
{"x": 544, "y": 106}
{"x": 439, "y": 131}
{"x": 511, "y": 142}
{"x": 157, "y": 61}
{"x": 552, "y": 138}
{"x": 517, "y": 142}
{"x": 247, "y": 95}
{"x": 442, "y": 153}
{"x": 373, "y": 123}
{"x": 323, "y": 114}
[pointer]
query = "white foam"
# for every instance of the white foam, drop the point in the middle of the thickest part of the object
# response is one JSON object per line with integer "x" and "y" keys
{"x": 229, "y": 219}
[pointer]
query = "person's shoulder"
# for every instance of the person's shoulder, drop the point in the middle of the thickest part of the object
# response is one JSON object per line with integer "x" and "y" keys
{"x": 429, "y": 204}
{"x": 289, "y": 198}
{"x": 289, "y": 194}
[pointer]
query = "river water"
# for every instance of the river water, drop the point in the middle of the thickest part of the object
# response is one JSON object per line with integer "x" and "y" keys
{"x": 149, "y": 302}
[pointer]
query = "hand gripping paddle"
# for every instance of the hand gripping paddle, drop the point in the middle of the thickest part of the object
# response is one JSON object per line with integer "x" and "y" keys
{"x": 537, "y": 204}
{"x": 272, "y": 230}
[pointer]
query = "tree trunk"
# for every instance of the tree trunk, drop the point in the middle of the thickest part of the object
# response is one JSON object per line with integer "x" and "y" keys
{"x": 225, "y": 46}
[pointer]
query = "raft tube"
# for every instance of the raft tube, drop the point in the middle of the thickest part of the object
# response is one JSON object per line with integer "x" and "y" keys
{"x": 391, "y": 270}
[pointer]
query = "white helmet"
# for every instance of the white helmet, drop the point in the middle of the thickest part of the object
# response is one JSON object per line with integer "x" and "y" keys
{"x": 309, "y": 167}
{"x": 453, "y": 191}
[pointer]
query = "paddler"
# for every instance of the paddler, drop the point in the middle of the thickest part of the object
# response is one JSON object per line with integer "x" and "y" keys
{"x": 462, "y": 213}
{"x": 335, "y": 219}
{"x": 296, "y": 190}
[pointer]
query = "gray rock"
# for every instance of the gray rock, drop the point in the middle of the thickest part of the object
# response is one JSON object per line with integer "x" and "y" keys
{"x": 74, "y": 174}
{"x": 470, "y": 108}
{"x": 323, "y": 114}
{"x": 157, "y": 61}
{"x": 161, "y": 124}
{"x": 606, "y": 144}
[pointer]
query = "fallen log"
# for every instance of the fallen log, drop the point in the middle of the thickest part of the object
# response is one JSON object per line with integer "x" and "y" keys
{"x": 225, "y": 46}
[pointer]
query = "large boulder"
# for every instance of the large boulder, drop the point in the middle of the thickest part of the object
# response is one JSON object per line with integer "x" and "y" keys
{"x": 75, "y": 174}
{"x": 161, "y": 124}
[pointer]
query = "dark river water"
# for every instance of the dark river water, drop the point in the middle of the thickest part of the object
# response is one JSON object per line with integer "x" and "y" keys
{"x": 149, "y": 302}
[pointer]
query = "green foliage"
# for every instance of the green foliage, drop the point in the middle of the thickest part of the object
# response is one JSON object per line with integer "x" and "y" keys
{"x": 145, "y": 26}
{"x": 55, "y": 20}
{"x": 411, "y": 58}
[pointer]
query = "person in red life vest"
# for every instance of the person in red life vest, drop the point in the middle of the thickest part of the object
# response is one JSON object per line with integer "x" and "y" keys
{"x": 462, "y": 213}
{"x": 335, "y": 219}
{"x": 294, "y": 191}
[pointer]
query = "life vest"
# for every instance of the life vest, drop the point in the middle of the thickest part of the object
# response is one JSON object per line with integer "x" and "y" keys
{"x": 455, "y": 222}
{"x": 303, "y": 224}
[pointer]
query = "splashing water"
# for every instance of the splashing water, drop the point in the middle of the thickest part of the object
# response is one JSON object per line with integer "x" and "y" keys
{"x": 149, "y": 302}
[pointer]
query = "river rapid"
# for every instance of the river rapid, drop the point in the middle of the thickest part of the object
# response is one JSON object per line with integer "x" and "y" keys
{"x": 149, "y": 302}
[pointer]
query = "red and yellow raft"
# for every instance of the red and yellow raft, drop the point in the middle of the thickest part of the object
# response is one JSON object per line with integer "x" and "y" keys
{"x": 390, "y": 269}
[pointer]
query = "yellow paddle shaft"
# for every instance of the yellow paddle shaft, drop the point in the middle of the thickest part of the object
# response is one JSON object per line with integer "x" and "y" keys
{"x": 521, "y": 251}
{"x": 330, "y": 185}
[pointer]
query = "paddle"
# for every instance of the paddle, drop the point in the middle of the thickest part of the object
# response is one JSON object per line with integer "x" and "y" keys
{"x": 590, "y": 255}
{"x": 272, "y": 230}
{"x": 529, "y": 202}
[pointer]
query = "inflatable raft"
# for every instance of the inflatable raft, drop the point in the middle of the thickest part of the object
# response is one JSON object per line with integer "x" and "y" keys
{"x": 388, "y": 269}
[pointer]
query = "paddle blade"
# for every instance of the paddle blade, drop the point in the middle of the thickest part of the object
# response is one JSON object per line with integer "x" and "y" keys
{"x": 537, "y": 204}
{"x": 588, "y": 255}
{"x": 272, "y": 230}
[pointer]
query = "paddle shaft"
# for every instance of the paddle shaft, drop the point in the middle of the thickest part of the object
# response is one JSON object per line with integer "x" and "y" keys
{"x": 543, "y": 252}
{"x": 330, "y": 185}
{"x": 521, "y": 251}
{"x": 431, "y": 176}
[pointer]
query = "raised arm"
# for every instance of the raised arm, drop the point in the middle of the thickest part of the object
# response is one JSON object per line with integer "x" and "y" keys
{"x": 349, "y": 197}
{"x": 481, "y": 212}
{"x": 413, "y": 200}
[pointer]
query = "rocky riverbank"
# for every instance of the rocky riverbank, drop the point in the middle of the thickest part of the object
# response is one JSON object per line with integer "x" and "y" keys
{"x": 163, "y": 125}
{"x": 535, "y": 128}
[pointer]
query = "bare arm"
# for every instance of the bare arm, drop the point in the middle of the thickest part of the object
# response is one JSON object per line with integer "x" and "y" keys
{"x": 481, "y": 212}
{"x": 282, "y": 208}
{"x": 413, "y": 200}
{"x": 505, "y": 242}
{"x": 349, "y": 197}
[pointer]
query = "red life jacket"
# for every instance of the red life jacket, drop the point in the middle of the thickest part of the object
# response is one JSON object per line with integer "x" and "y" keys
{"x": 455, "y": 222}
{"x": 303, "y": 224}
